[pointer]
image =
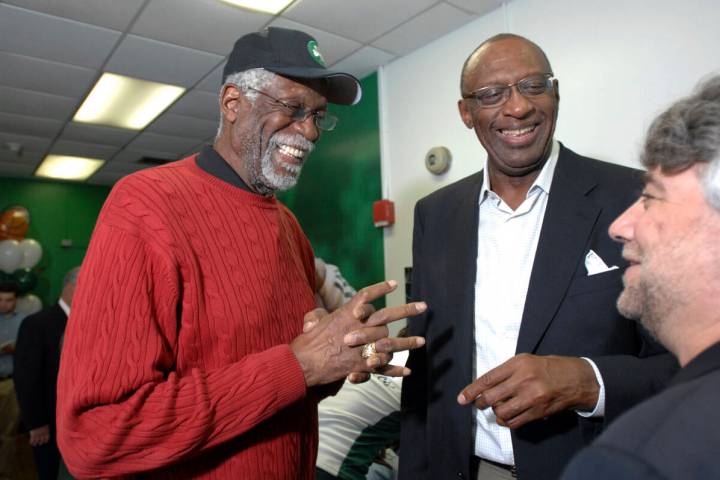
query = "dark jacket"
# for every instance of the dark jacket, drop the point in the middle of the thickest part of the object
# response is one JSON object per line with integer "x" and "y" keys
{"x": 566, "y": 313}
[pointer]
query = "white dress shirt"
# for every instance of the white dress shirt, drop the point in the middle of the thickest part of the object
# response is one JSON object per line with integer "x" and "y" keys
{"x": 507, "y": 241}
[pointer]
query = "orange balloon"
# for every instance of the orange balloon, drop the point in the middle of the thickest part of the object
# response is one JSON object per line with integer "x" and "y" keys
{"x": 14, "y": 223}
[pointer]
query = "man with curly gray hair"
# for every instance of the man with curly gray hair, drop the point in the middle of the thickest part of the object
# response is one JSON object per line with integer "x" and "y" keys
{"x": 672, "y": 286}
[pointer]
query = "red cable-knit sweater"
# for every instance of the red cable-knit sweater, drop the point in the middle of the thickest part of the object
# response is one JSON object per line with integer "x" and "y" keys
{"x": 176, "y": 357}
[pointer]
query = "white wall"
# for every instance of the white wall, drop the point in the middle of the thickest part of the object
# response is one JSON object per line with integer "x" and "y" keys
{"x": 619, "y": 63}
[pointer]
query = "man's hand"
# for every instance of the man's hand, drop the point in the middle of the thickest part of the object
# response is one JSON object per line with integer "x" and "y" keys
{"x": 530, "y": 387}
{"x": 330, "y": 346}
{"x": 8, "y": 348}
{"x": 40, "y": 436}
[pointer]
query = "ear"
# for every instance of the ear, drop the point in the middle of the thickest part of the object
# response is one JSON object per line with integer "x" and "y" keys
{"x": 465, "y": 114}
{"x": 231, "y": 102}
{"x": 556, "y": 89}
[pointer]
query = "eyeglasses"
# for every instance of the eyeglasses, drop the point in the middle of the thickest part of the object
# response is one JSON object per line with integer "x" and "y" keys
{"x": 496, "y": 95}
{"x": 323, "y": 120}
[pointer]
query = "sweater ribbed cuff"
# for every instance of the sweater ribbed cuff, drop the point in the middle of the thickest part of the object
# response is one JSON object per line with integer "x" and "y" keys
{"x": 287, "y": 375}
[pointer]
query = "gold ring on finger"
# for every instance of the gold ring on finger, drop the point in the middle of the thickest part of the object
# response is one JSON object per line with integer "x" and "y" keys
{"x": 368, "y": 350}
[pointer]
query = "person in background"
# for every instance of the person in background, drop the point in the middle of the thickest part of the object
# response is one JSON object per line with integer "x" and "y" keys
{"x": 37, "y": 361}
{"x": 526, "y": 356}
{"x": 670, "y": 237}
{"x": 10, "y": 321}
{"x": 194, "y": 349}
{"x": 358, "y": 423}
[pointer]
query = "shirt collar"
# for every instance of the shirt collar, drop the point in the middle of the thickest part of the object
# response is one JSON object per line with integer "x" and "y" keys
{"x": 543, "y": 180}
{"x": 64, "y": 306}
{"x": 210, "y": 160}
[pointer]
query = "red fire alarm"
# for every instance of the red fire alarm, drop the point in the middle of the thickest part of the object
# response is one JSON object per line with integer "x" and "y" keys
{"x": 383, "y": 213}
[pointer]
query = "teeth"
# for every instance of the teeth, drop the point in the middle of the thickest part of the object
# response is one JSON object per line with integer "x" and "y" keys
{"x": 518, "y": 132}
{"x": 293, "y": 152}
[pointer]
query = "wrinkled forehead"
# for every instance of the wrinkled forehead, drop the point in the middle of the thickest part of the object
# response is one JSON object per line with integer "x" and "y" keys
{"x": 505, "y": 61}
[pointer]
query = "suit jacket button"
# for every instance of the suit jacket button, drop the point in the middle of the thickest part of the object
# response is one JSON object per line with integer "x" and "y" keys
{"x": 460, "y": 475}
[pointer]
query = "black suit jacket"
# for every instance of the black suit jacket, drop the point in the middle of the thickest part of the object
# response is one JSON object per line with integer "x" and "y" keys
{"x": 566, "y": 313}
{"x": 37, "y": 360}
{"x": 673, "y": 436}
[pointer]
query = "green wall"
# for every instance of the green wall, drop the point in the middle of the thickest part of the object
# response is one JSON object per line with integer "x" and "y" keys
{"x": 57, "y": 211}
{"x": 340, "y": 181}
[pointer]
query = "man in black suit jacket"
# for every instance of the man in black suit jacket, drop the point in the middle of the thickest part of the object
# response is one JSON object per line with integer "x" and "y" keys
{"x": 672, "y": 286}
{"x": 37, "y": 360}
{"x": 520, "y": 279}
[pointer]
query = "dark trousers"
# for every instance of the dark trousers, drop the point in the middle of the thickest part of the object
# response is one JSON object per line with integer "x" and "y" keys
{"x": 47, "y": 460}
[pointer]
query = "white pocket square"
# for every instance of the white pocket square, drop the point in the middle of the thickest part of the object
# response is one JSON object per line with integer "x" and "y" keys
{"x": 594, "y": 264}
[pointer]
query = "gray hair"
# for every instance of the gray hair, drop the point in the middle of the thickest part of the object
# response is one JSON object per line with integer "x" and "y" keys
{"x": 247, "y": 81}
{"x": 71, "y": 276}
{"x": 686, "y": 134}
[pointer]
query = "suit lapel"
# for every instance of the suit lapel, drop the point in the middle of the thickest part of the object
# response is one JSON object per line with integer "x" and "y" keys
{"x": 569, "y": 220}
{"x": 461, "y": 267}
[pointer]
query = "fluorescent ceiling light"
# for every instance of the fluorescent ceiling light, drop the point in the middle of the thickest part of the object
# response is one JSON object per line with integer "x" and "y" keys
{"x": 119, "y": 101}
{"x": 68, "y": 168}
{"x": 267, "y": 6}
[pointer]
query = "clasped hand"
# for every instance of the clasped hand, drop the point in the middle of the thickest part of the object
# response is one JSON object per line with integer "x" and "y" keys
{"x": 330, "y": 346}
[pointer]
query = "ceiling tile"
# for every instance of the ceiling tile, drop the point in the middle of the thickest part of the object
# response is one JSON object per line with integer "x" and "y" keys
{"x": 479, "y": 7}
{"x": 29, "y": 143}
{"x": 102, "y": 178}
{"x": 115, "y": 166}
{"x": 198, "y": 104}
{"x": 212, "y": 82}
{"x": 161, "y": 143}
{"x": 183, "y": 126}
{"x": 423, "y": 29}
{"x": 332, "y": 47}
{"x": 362, "y": 21}
{"x": 81, "y": 132}
{"x": 81, "y": 149}
{"x": 16, "y": 170}
{"x": 28, "y": 73}
{"x": 53, "y": 38}
{"x": 207, "y": 25}
{"x": 161, "y": 62}
{"x": 27, "y": 102}
{"x": 26, "y": 159}
{"x": 106, "y": 13}
{"x": 364, "y": 62}
{"x": 33, "y": 126}
{"x": 132, "y": 156}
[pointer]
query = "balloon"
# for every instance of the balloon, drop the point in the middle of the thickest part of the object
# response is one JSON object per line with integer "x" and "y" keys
{"x": 28, "y": 304}
{"x": 31, "y": 253}
{"x": 10, "y": 255}
{"x": 6, "y": 278}
{"x": 25, "y": 279}
{"x": 14, "y": 223}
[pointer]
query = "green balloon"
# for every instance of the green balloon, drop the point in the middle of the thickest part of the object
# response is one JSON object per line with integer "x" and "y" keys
{"x": 25, "y": 280}
{"x": 6, "y": 278}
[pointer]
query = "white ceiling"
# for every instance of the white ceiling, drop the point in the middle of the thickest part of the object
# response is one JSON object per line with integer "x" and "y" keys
{"x": 53, "y": 51}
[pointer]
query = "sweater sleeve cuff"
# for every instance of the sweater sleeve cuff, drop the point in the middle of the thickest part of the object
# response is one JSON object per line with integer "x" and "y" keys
{"x": 287, "y": 375}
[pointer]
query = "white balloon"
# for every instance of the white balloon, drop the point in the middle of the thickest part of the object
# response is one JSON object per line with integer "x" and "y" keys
{"x": 31, "y": 253}
{"x": 28, "y": 304}
{"x": 10, "y": 255}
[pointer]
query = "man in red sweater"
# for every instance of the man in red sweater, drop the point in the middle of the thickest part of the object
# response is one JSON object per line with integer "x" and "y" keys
{"x": 193, "y": 349}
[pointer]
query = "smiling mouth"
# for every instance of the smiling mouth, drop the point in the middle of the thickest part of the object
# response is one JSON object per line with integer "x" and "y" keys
{"x": 292, "y": 152}
{"x": 517, "y": 132}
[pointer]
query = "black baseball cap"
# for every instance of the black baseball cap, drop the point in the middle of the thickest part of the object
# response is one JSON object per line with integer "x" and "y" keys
{"x": 291, "y": 53}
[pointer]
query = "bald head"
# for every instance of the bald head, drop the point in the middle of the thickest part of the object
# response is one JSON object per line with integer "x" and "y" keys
{"x": 506, "y": 41}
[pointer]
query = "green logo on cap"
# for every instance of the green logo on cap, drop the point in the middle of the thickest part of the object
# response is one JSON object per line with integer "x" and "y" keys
{"x": 314, "y": 52}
